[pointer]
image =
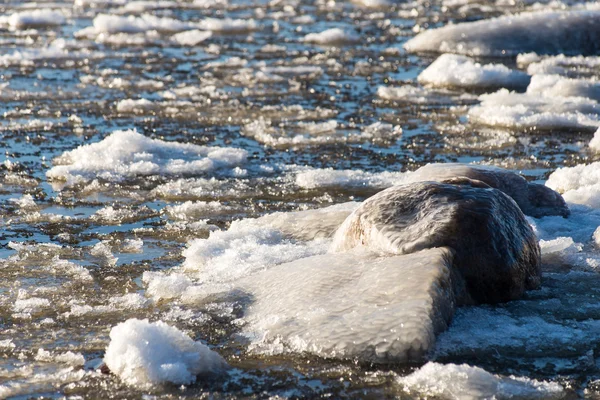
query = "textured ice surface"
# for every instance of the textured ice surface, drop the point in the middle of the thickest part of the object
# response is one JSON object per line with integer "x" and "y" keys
{"x": 543, "y": 32}
{"x": 318, "y": 178}
{"x": 559, "y": 86}
{"x": 451, "y": 70}
{"x": 126, "y": 154}
{"x": 579, "y": 184}
{"x": 32, "y": 18}
{"x": 399, "y": 305}
{"x": 465, "y": 382}
{"x": 560, "y": 64}
{"x": 333, "y": 36}
{"x": 530, "y": 110}
{"x": 145, "y": 354}
{"x": 595, "y": 142}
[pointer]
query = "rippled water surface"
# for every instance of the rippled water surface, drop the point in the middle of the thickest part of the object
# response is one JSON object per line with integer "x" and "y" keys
{"x": 80, "y": 231}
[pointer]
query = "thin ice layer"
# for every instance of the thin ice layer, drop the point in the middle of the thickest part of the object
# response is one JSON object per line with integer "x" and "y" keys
{"x": 127, "y": 154}
{"x": 304, "y": 306}
{"x": 543, "y": 32}
{"x": 451, "y": 70}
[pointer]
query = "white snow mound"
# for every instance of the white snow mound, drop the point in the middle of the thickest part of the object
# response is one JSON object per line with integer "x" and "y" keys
{"x": 145, "y": 354}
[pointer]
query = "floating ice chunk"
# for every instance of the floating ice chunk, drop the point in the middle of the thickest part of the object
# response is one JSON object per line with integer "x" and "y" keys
{"x": 381, "y": 130}
{"x": 558, "y": 86}
{"x": 32, "y": 19}
{"x": 333, "y": 36}
{"x": 161, "y": 286}
{"x": 139, "y": 6}
{"x": 131, "y": 106}
{"x": 103, "y": 251}
{"x": 579, "y": 184}
{"x": 132, "y": 246}
{"x": 193, "y": 210}
{"x": 595, "y": 142}
{"x": 528, "y": 110}
{"x": 561, "y": 249}
{"x": 126, "y": 154}
{"x": 116, "y": 24}
{"x": 544, "y": 32}
{"x": 31, "y": 305}
{"x": 228, "y": 25}
{"x": 464, "y": 382}
{"x": 191, "y": 38}
{"x": 302, "y": 133}
{"x": 26, "y": 202}
{"x": 560, "y": 64}
{"x": 303, "y": 306}
{"x": 419, "y": 95}
{"x": 145, "y": 355}
{"x": 129, "y": 301}
{"x": 451, "y": 70}
{"x": 373, "y": 3}
{"x": 328, "y": 177}
{"x": 571, "y": 178}
{"x": 70, "y": 358}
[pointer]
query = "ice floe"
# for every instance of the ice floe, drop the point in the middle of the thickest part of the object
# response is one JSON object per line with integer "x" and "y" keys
{"x": 127, "y": 154}
{"x": 329, "y": 177}
{"x": 530, "y": 110}
{"x": 543, "y": 32}
{"x": 333, "y": 36}
{"x": 451, "y": 70}
{"x": 452, "y": 381}
{"x": 145, "y": 354}
{"x": 32, "y": 19}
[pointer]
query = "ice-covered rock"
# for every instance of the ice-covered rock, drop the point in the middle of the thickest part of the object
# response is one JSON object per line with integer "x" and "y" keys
{"x": 126, "y": 154}
{"x": 543, "y": 32}
{"x": 496, "y": 251}
{"x": 534, "y": 199}
{"x": 451, "y": 70}
{"x": 145, "y": 354}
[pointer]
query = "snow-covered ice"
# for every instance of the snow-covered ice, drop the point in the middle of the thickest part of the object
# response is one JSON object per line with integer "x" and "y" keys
{"x": 127, "y": 154}
{"x": 145, "y": 354}
{"x": 451, "y": 381}
{"x": 543, "y": 32}
{"x": 451, "y": 70}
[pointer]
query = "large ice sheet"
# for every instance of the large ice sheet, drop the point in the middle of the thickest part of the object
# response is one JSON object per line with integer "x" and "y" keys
{"x": 352, "y": 305}
{"x": 543, "y": 32}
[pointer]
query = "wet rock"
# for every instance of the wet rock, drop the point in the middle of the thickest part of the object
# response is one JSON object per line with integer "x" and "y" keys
{"x": 533, "y": 199}
{"x": 495, "y": 249}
